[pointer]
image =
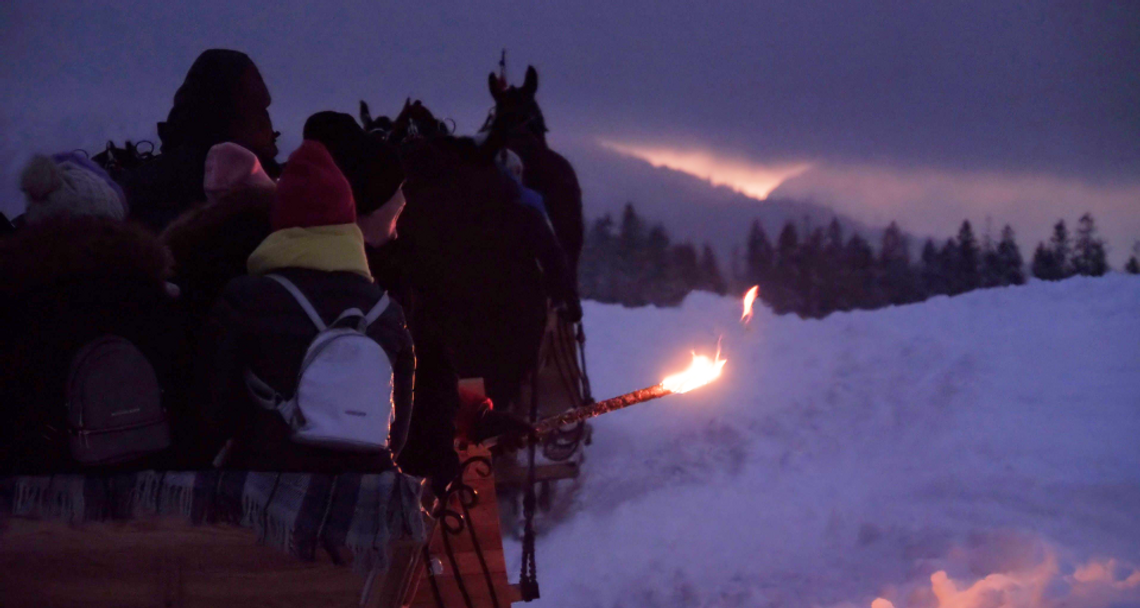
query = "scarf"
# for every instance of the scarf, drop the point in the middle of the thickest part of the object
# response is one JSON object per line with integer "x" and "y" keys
{"x": 333, "y": 248}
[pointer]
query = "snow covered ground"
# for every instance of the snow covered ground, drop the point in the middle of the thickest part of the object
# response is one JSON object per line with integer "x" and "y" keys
{"x": 967, "y": 452}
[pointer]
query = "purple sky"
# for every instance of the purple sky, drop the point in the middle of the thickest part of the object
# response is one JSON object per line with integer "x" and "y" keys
{"x": 962, "y": 109}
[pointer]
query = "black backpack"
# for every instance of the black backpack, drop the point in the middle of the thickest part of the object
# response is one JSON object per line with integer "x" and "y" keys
{"x": 114, "y": 404}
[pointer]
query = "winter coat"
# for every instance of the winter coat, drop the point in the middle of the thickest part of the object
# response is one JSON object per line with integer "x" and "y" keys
{"x": 210, "y": 246}
{"x": 222, "y": 99}
{"x": 429, "y": 451}
{"x": 257, "y": 325}
{"x": 542, "y": 243}
{"x": 63, "y": 283}
{"x": 552, "y": 176}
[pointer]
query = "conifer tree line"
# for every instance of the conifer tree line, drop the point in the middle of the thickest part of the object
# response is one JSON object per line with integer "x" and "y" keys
{"x": 813, "y": 271}
{"x": 635, "y": 264}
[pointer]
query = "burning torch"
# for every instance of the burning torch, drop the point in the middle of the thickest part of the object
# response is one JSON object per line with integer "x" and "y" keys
{"x": 702, "y": 371}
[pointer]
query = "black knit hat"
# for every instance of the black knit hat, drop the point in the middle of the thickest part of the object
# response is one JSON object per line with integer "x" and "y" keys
{"x": 371, "y": 165}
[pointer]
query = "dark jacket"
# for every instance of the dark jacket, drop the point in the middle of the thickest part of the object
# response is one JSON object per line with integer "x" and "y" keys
{"x": 222, "y": 99}
{"x": 64, "y": 283}
{"x": 552, "y": 176}
{"x": 430, "y": 450}
{"x": 210, "y": 246}
{"x": 257, "y": 325}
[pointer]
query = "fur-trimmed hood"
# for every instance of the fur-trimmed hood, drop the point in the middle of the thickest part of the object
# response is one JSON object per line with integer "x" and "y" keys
{"x": 55, "y": 252}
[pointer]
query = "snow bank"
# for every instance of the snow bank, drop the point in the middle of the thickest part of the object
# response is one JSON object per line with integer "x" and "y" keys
{"x": 982, "y": 450}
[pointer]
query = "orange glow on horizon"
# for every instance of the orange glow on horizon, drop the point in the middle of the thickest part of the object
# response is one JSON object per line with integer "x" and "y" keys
{"x": 748, "y": 178}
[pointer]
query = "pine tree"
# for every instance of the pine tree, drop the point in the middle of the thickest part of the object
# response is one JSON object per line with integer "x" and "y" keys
{"x": 967, "y": 271}
{"x": 834, "y": 243}
{"x": 949, "y": 265}
{"x": 810, "y": 282}
{"x": 1088, "y": 250}
{"x": 1009, "y": 262}
{"x": 1133, "y": 266}
{"x": 1045, "y": 265}
{"x": 632, "y": 265}
{"x": 661, "y": 286}
{"x": 859, "y": 263}
{"x": 991, "y": 274}
{"x": 760, "y": 256}
{"x": 1062, "y": 250}
{"x": 896, "y": 274}
{"x": 711, "y": 278}
{"x": 686, "y": 268}
{"x": 596, "y": 266}
{"x": 930, "y": 273}
{"x": 836, "y": 282}
{"x": 631, "y": 234}
{"x": 781, "y": 285}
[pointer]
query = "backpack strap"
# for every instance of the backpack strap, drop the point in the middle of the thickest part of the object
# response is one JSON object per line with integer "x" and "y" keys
{"x": 377, "y": 310}
{"x": 301, "y": 299}
{"x": 366, "y": 318}
{"x": 267, "y": 398}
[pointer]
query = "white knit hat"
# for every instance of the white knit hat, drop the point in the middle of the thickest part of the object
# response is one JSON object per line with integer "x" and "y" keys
{"x": 67, "y": 185}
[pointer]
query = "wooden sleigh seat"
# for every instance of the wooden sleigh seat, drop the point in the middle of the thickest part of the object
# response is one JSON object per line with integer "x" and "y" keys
{"x": 213, "y": 538}
{"x": 226, "y": 538}
{"x": 169, "y": 561}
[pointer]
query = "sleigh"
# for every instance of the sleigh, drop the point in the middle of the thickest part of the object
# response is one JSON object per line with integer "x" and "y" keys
{"x": 235, "y": 538}
{"x": 141, "y": 540}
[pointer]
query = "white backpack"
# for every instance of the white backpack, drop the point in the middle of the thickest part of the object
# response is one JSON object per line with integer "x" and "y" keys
{"x": 343, "y": 398}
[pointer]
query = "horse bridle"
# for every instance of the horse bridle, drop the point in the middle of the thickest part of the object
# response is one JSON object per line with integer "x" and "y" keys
{"x": 524, "y": 125}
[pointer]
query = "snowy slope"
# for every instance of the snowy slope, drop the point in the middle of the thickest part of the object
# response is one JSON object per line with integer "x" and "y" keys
{"x": 979, "y": 451}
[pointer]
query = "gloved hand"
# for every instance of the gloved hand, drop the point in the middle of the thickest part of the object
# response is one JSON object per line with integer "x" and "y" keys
{"x": 511, "y": 430}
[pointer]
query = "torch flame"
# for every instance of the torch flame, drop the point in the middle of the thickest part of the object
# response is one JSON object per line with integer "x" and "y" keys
{"x": 749, "y": 298}
{"x": 701, "y": 372}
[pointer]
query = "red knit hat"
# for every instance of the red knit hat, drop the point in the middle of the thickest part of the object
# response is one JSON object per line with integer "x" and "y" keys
{"x": 312, "y": 191}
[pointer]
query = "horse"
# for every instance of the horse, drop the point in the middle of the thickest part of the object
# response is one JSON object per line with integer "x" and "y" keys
{"x": 516, "y": 122}
{"x": 472, "y": 281}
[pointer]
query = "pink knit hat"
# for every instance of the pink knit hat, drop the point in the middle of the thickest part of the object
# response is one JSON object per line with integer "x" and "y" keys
{"x": 230, "y": 167}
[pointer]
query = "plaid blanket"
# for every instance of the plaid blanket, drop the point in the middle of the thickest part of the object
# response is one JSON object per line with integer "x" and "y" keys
{"x": 295, "y": 512}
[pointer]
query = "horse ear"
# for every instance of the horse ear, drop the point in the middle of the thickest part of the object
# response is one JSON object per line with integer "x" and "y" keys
{"x": 530, "y": 85}
{"x": 365, "y": 115}
{"x": 493, "y": 85}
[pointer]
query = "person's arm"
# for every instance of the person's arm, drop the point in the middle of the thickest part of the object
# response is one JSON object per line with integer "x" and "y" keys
{"x": 391, "y": 331}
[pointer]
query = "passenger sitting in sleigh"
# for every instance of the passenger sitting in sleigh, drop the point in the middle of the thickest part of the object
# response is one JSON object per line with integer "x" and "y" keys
{"x": 312, "y": 363}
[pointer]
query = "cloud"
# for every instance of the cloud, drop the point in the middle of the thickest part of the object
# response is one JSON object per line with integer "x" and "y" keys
{"x": 747, "y": 177}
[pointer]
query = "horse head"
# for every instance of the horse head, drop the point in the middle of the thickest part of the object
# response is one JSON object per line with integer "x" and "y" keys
{"x": 515, "y": 108}
{"x": 416, "y": 120}
{"x": 380, "y": 126}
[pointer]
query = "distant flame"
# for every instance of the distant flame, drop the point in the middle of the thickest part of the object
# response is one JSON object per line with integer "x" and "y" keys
{"x": 701, "y": 372}
{"x": 749, "y": 298}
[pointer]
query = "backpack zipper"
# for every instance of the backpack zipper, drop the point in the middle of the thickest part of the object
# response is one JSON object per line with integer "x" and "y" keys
{"x": 85, "y": 433}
